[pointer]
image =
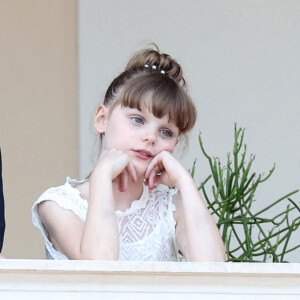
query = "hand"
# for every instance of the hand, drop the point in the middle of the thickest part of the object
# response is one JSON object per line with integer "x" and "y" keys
{"x": 165, "y": 169}
{"x": 116, "y": 164}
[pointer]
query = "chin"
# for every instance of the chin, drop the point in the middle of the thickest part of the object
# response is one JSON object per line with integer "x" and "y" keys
{"x": 141, "y": 169}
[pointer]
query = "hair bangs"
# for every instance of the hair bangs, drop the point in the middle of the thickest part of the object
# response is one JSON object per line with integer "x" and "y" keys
{"x": 162, "y": 96}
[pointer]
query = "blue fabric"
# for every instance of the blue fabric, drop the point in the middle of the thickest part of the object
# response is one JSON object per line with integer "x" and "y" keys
{"x": 2, "y": 219}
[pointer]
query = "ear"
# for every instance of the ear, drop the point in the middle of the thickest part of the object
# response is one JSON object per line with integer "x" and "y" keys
{"x": 101, "y": 118}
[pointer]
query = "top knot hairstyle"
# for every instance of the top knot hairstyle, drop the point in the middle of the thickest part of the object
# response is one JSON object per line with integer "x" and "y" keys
{"x": 158, "y": 77}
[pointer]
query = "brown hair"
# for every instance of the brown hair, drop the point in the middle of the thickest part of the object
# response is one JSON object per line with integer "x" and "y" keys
{"x": 154, "y": 74}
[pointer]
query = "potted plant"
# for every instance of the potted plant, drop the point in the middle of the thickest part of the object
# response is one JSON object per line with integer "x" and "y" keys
{"x": 249, "y": 235}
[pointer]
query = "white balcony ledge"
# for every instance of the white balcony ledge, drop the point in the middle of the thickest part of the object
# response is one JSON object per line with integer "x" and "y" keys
{"x": 45, "y": 279}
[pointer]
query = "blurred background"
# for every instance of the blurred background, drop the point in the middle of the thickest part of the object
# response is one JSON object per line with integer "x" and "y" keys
{"x": 240, "y": 58}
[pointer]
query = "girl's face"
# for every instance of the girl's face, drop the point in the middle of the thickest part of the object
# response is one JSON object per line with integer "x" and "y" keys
{"x": 137, "y": 133}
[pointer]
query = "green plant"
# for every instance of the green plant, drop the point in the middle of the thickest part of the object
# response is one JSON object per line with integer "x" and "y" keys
{"x": 248, "y": 236}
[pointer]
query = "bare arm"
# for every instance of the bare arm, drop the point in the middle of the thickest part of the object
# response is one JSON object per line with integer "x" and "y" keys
{"x": 98, "y": 237}
{"x": 196, "y": 231}
{"x": 197, "y": 234}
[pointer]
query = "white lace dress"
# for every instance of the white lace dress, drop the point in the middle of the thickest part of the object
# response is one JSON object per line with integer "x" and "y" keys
{"x": 146, "y": 229}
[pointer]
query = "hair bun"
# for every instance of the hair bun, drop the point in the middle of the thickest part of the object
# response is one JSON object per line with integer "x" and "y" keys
{"x": 153, "y": 60}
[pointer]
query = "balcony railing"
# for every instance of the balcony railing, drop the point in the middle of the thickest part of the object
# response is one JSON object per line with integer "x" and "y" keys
{"x": 45, "y": 279}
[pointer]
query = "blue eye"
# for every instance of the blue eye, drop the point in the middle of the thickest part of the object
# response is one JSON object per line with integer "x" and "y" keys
{"x": 138, "y": 120}
{"x": 166, "y": 133}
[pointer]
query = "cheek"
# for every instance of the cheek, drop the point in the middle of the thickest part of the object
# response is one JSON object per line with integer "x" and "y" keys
{"x": 116, "y": 135}
{"x": 169, "y": 146}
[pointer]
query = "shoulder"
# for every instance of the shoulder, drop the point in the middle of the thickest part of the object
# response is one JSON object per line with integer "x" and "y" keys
{"x": 71, "y": 191}
{"x": 49, "y": 211}
{"x": 55, "y": 191}
{"x": 60, "y": 198}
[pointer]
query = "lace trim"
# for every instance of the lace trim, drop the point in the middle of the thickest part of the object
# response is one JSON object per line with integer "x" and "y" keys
{"x": 136, "y": 204}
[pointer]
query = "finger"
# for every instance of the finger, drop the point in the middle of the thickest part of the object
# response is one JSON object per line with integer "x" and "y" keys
{"x": 148, "y": 172}
{"x": 132, "y": 172}
{"x": 119, "y": 183}
{"x": 151, "y": 165}
{"x": 152, "y": 180}
{"x": 158, "y": 180}
{"x": 157, "y": 170}
{"x": 123, "y": 181}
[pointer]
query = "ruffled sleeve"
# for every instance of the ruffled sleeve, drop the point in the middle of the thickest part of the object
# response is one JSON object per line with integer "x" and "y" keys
{"x": 172, "y": 192}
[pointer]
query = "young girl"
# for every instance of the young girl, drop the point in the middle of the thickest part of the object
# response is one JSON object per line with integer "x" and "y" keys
{"x": 125, "y": 210}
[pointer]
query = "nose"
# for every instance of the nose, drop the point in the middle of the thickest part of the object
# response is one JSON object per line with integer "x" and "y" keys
{"x": 149, "y": 137}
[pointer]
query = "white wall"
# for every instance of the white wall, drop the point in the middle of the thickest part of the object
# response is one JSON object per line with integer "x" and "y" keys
{"x": 241, "y": 61}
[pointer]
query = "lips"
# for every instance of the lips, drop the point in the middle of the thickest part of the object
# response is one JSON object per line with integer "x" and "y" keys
{"x": 143, "y": 154}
